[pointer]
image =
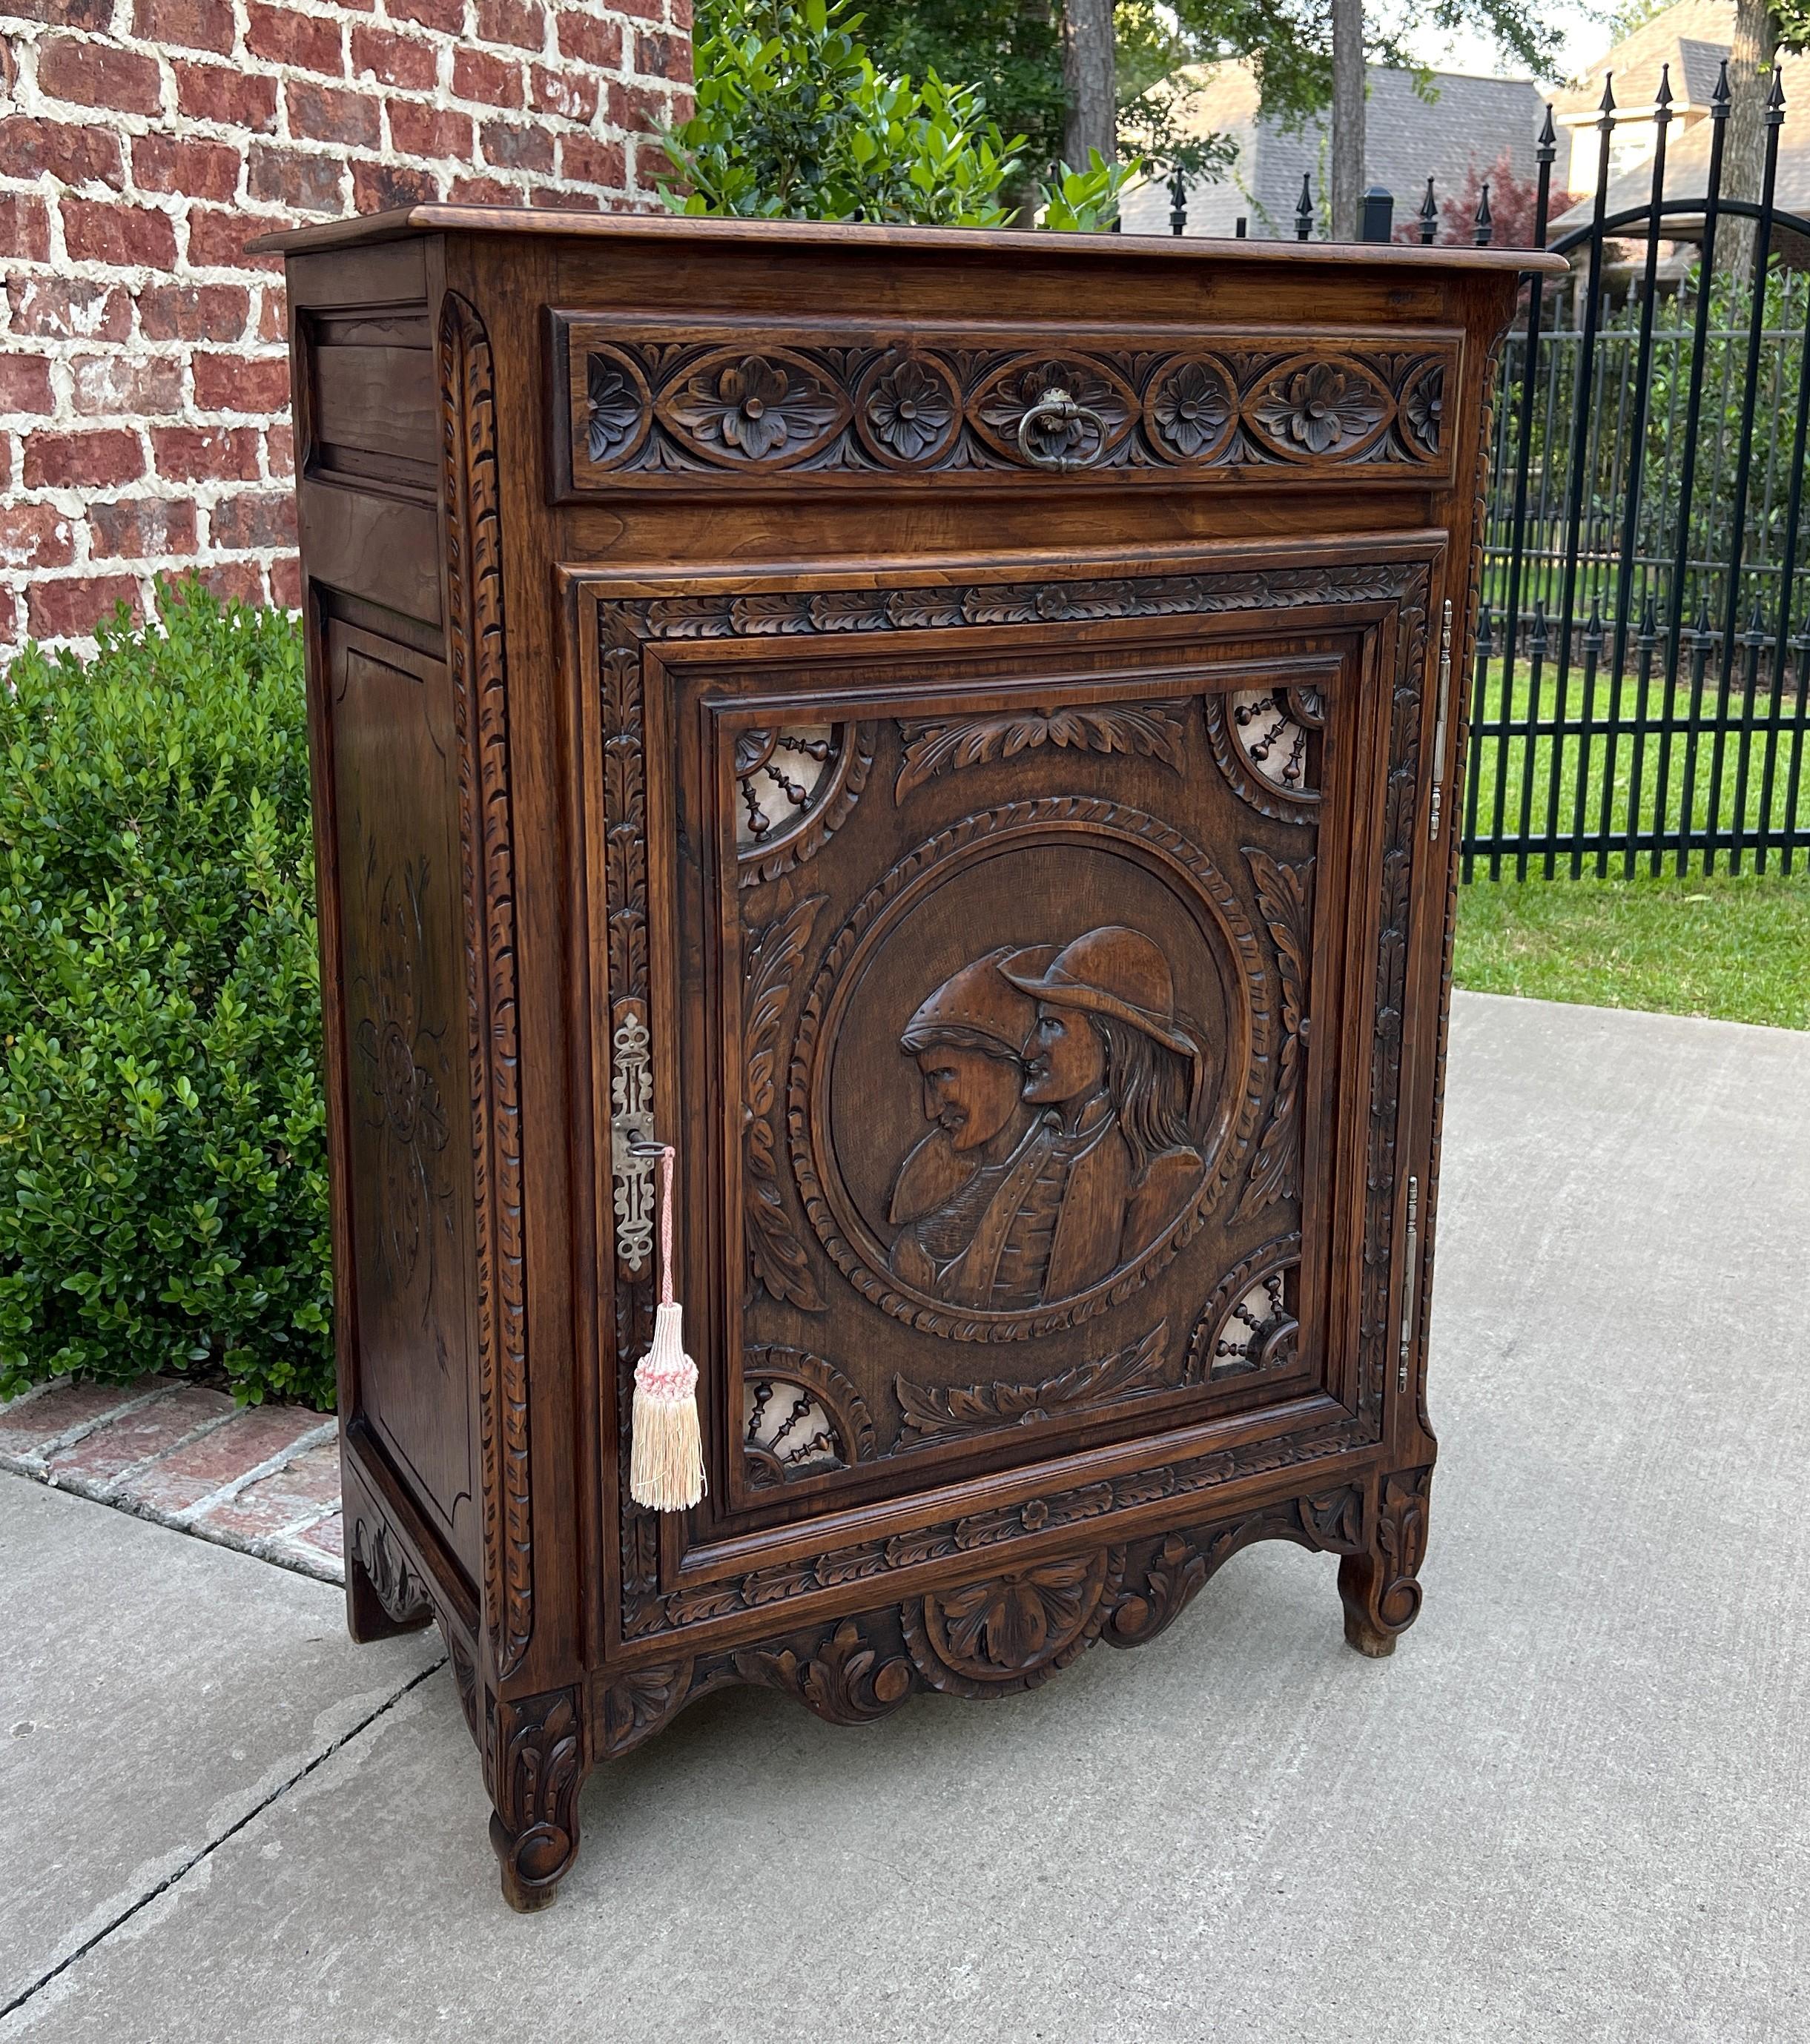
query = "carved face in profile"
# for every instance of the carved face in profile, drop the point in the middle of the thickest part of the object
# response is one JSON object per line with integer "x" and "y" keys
{"x": 1064, "y": 1057}
{"x": 970, "y": 1094}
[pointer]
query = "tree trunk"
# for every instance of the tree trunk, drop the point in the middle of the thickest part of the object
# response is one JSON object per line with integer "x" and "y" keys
{"x": 1750, "y": 59}
{"x": 1089, "y": 78}
{"x": 1348, "y": 118}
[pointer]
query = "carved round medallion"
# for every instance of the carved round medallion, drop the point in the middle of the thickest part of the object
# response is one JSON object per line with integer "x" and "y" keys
{"x": 794, "y": 784}
{"x": 1190, "y": 409}
{"x": 1029, "y": 1065}
{"x": 619, "y": 407}
{"x": 1016, "y": 1630}
{"x": 1314, "y": 409}
{"x": 1000, "y": 406}
{"x": 744, "y": 410}
{"x": 907, "y": 411}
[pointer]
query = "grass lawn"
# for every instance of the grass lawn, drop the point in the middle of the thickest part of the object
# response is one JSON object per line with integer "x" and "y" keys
{"x": 1737, "y": 948}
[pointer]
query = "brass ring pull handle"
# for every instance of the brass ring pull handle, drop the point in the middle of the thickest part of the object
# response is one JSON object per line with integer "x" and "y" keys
{"x": 1057, "y": 409}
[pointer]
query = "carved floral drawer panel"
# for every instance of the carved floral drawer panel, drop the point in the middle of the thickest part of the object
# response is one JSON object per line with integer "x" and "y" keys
{"x": 653, "y": 403}
{"x": 1015, "y": 880}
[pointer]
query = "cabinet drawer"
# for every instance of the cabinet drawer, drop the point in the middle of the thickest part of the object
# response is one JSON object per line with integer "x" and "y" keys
{"x": 659, "y": 404}
{"x": 1021, "y": 1056}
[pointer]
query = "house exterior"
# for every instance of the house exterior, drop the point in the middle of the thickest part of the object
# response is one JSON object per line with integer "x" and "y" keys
{"x": 144, "y": 380}
{"x": 1691, "y": 41}
{"x": 1466, "y": 123}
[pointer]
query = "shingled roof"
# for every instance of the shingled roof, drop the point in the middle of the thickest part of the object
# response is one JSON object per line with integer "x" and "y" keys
{"x": 1467, "y": 122}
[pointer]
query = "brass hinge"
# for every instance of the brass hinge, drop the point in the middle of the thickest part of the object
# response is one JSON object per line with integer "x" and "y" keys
{"x": 1440, "y": 727}
{"x": 1410, "y": 1281}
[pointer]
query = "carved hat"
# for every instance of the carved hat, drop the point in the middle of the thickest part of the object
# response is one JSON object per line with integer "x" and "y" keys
{"x": 978, "y": 1001}
{"x": 1109, "y": 971}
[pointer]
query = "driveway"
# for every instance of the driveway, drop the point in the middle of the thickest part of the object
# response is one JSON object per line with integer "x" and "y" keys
{"x": 1574, "y": 1806}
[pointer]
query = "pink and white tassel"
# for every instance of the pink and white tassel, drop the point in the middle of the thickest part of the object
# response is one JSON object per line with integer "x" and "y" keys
{"x": 665, "y": 1457}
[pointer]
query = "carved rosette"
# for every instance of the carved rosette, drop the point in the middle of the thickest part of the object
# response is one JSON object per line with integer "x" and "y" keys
{"x": 475, "y": 580}
{"x": 655, "y": 404}
{"x": 1015, "y": 1630}
{"x": 801, "y": 1416}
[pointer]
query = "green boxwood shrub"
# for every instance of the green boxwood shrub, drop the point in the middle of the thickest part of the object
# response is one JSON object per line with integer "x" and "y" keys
{"x": 163, "y": 1156}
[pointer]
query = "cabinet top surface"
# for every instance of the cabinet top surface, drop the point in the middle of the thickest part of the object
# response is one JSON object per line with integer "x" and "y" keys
{"x": 540, "y": 223}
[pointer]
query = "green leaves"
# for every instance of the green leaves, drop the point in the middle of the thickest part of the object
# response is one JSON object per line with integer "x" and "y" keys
{"x": 795, "y": 120}
{"x": 163, "y": 1165}
{"x": 1086, "y": 201}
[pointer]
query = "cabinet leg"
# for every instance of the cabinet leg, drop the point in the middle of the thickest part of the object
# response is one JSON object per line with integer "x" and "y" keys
{"x": 1379, "y": 1587}
{"x": 539, "y": 1768}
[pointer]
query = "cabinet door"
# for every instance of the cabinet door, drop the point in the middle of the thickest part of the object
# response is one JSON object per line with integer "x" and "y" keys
{"x": 1018, "y": 970}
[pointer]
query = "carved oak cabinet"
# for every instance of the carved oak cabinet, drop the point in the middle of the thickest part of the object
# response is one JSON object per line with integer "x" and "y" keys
{"x": 957, "y": 733}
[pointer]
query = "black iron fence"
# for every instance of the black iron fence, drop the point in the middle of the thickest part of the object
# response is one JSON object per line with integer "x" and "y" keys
{"x": 1643, "y": 668}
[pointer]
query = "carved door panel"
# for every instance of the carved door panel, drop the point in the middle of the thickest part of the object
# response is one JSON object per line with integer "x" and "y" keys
{"x": 1003, "y": 997}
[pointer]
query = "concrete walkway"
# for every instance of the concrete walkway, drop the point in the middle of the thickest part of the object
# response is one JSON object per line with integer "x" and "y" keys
{"x": 1575, "y": 1806}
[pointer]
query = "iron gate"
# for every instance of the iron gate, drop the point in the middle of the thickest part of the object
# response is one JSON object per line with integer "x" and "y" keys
{"x": 1639, "y": 699}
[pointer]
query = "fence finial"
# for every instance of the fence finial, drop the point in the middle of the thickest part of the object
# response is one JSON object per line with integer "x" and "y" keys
{"x": 1429, "y": 217}
{"x": 1304, "y": 209}
{"x": 1775, "y": 99}
{"x": 1548, "y": 147}
{"x": 1484, "y": 227}
{"x": 1719, "y": 99}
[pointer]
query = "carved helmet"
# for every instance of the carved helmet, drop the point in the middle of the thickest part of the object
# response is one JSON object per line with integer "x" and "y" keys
{"x": 1110, "y": 971}
{"x": 978, "y": 1001}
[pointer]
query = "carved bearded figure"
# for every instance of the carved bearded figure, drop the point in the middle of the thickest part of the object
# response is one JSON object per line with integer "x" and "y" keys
{"x": 1007, "y": 1208}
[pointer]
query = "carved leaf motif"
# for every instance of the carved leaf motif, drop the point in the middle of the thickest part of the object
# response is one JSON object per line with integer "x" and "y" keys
{"x": 1177, "y": 1573}
{"x": 397, "y": 1587}
{"x": 1282, "y": 894}
{"x": 934, "y": 1413}
{"x": 1015, "y": 1621}
{"x": 776, "y": 1256}
{"x": 845, "y": 1681}
{"x": 640, "y": 1702}
{"x": 1156, "y": 730}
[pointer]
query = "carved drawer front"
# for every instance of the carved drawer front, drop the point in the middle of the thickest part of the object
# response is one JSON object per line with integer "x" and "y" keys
{"x": 658, "y": 404}
{"x": 1008, "y": 1057}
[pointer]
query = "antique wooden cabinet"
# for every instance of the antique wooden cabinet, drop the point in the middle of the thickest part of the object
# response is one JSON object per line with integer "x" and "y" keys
{"x": 958, "y": 733}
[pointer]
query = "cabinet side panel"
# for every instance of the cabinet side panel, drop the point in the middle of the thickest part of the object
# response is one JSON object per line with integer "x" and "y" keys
{"x": 407, "y": 1264}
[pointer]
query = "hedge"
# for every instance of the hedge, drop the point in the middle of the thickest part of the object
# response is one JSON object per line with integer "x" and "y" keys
{"x": 162, "y": 1159}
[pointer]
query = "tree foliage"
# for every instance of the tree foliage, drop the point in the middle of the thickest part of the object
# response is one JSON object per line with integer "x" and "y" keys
{"x": 795, "y": 119}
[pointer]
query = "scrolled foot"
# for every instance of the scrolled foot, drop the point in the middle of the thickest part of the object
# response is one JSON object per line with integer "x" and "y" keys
{"x": 1378, "y": 1588}
{"x": 540, "y": 1764}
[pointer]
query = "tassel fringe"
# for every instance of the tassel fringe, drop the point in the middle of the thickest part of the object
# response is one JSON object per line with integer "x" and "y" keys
{"x": 665, "y": 1461}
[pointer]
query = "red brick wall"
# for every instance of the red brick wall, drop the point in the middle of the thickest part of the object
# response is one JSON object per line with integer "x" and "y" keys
{"x": 144, "y": 388}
